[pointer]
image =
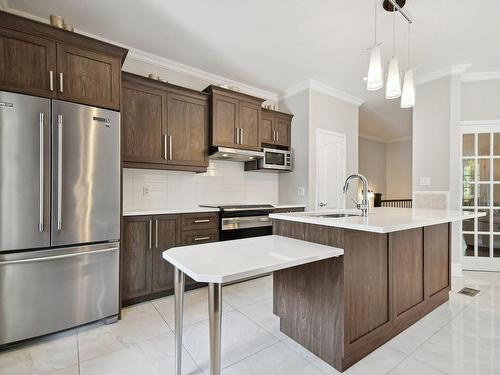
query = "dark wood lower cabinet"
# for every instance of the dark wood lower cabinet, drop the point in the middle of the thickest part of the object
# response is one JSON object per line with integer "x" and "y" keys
{"x": 342, "y": 309}
{"x": 145, "y": 275}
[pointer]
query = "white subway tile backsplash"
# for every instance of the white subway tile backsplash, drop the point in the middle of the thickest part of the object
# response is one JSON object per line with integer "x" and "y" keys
{"x": 224, "y": 182}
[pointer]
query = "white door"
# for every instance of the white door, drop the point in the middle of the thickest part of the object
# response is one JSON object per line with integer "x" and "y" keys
{"x": 481, "y": 193}
{"x": 330, "y": 169}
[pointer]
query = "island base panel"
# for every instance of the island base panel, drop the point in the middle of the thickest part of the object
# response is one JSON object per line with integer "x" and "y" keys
{"x": 342, "y": 309}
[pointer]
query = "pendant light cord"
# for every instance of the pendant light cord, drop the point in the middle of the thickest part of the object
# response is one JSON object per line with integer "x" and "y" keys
{"x": 393, "y": 29}
{"x": 376, "y": 22}
{"x": 409, "y": 39}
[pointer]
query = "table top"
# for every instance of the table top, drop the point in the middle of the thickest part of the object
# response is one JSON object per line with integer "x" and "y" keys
{"x": 380, "y": 219}
{"x": 226, "y": 261}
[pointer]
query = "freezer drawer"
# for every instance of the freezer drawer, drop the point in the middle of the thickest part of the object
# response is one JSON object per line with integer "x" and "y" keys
{"x": 85, "y": 174}
{"x": 51, "y": 290}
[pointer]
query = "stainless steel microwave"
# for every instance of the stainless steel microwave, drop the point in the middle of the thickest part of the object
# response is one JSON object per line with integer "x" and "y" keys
{"x": 279, "y": 160}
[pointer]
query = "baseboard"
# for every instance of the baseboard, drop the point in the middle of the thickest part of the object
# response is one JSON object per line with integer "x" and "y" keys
{"x": 456, "y": 270}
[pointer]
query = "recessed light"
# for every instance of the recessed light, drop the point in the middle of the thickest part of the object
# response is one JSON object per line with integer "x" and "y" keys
{"x": 224, "y": 155}
{"x": 251, "y": 158}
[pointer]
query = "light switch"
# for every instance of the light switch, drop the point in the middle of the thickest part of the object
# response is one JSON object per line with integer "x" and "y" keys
{"x": 425, "y": 181}
{"x": 301, "y": 191}
{"x": 146, "y": 191}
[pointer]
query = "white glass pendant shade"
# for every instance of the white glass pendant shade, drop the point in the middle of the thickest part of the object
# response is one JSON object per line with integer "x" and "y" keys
{"x": 393, "y": 87}
{"x": 408, "y": 96}
{"x": 375, "y": 73}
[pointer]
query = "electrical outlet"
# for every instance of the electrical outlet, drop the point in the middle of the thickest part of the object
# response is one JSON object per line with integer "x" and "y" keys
{"x": 425, "y": 181}
{"x": 301, "y": 191}
{"x": 146, "y": 191}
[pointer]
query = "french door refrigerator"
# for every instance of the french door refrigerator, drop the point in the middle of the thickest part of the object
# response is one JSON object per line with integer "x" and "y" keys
{"x": 59, "y": 215}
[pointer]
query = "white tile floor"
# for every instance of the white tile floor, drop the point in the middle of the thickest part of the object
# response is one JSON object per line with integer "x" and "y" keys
{"x": 460, "y": 337}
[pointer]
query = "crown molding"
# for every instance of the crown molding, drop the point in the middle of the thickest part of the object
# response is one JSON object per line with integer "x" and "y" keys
{"x": 479, "y": 122}
{"x": 382, "y": 140}
{"x": 311, "y": 84}
{"x": 481, "y": 76}
{"x": 162, "y": 62}
{"x": 441, "y": 73}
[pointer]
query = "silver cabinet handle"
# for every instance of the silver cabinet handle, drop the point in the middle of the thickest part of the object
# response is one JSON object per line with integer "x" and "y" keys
{"x": 241, "y": 136}
{"x": 170, "y": 152}
{"x": 274, "y": 135}
{"x": 201, "y": 221}
{"x": 51, "y": 80}
{"x": 165, "y": 153}
{"x": 237, "y": 136}
{"x": 156, "y": 233}
{"x": 41, "y": 177}
{"x": 59, "y": 170}
{"x": 150, "y": 238}
{"x": 201, "y": 238}
{"x": 277, "y": 135}
{"x": 61, "y": 83}
{"x": 41, "y": 259}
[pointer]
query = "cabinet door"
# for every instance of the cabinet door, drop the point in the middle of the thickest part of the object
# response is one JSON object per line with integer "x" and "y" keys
{"x": 136, "y": 257}
{"x": 167, "y": 235}
{"x": 248, "y": 122}
{"x": 282, "y": 128}
{"x": 187, "y": 130}
{"x": 87, "y": 77}
{"x": 26, "y": 63}
{"x": 437, "y": 258}
{"x": 142, "y": 124}
{"x": 224, "y": 121}
{"x": 267, "y": 128}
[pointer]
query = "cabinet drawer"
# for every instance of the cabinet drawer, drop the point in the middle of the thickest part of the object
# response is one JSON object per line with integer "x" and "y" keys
{"x": 193, "y": 237}
{"x": 200, "y": 221}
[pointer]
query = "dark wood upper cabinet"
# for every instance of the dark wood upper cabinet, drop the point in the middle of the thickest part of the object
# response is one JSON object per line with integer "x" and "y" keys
{"x": 143, "y": 118}
{"x": 164, "y": 126}
{"x": 235, "y": 119}
{"x": 276, "y": 128}
{"x": 38, "y": 59}
{"x": 136, "y": 257}
{"x": 27, "y": 63}
{"x": 88, "y": 77}
{"x": 187, "y": 130}
{"x": 167, "y": 235}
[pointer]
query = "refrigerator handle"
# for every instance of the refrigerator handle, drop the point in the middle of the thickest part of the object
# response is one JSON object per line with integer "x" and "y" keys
{"x": 41, "y": 171}
{"x": 59, "y": 170}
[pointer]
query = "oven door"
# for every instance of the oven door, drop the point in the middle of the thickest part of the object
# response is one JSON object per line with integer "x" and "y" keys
{"x": 233, "y": 228}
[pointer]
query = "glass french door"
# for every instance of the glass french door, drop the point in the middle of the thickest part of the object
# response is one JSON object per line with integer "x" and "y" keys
{"x": 481, "y": 193}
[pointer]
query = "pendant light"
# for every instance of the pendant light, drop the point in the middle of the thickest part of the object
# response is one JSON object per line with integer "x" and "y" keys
{"x": 393, "y": 87}
{"x": 375, "y": 75}
{"x": 408, "y": 96}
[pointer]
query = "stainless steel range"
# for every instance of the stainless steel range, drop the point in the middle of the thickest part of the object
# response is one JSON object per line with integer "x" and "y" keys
{"x": 243, "y": 221}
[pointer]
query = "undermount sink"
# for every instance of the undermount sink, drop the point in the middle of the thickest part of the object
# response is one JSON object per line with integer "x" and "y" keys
{"x": 334, "y": 215}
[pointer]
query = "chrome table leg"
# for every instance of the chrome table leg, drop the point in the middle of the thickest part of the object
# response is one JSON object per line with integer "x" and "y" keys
{"x": 179, "y": 311}
{"x": 215, "y": 325}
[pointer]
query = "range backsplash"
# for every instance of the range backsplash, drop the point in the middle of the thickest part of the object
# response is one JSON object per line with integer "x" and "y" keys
{"x": 224, "y": 182}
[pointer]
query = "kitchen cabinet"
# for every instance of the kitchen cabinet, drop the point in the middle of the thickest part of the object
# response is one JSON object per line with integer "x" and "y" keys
{"x": 235, "y": 119}
{"x": 163, "y": 126}
{"x": 41, "y": 60}
{"x": 145, "y": 274}
{"x": 276, "y": 128}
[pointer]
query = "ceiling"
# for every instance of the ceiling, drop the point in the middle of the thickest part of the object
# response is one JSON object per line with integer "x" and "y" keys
{"x": 276, "y": 44}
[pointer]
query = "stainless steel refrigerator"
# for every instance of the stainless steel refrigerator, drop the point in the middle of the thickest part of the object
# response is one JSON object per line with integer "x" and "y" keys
{"x": 59, "y": 215}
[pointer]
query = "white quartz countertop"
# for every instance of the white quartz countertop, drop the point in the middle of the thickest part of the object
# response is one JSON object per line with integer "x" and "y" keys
{"x": 380, "y": 219}
{"x": 166, "y": 211}
{"x": 226, "y": 261}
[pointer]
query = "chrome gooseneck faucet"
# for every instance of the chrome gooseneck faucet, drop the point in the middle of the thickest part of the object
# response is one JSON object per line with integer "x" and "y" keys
{"x": 363, "y": 206}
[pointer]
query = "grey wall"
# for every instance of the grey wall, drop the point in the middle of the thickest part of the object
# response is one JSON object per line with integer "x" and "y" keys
{"x": 373, "y": 164}
{"x": 399, "y": 170}
{"x": 329, "y": 113}
{"x": 431, "y": 135}
{"x": 481, "y": 100}
{"x": 289, "y": 183}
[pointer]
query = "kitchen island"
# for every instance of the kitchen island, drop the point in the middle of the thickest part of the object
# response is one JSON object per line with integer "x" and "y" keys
{"x": 395, "y": 270}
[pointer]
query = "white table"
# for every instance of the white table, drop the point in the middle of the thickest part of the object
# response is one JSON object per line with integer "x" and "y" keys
{"x": 220, "y": 262}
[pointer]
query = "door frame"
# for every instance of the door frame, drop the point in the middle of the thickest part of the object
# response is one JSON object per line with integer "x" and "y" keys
{"x": 319, "y": 133}
{"x": 477, "y": 263}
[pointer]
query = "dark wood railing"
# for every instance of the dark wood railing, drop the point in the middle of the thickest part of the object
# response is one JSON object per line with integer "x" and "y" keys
{"x": 399, "y": 203}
